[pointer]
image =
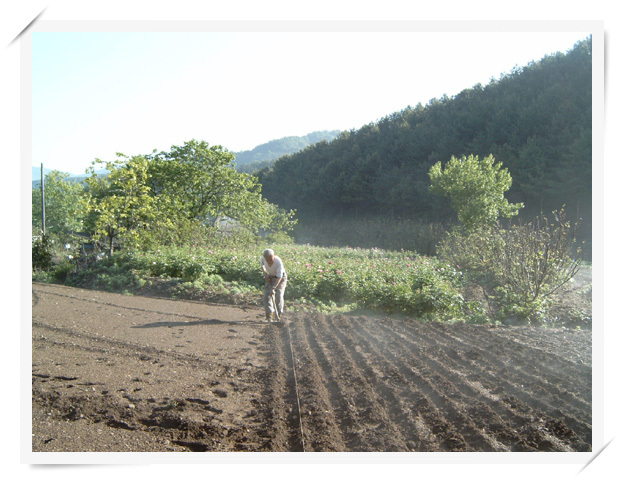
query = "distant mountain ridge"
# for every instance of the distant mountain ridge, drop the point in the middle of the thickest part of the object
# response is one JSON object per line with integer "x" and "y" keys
{"x": 263, "y": 155}
{"x": 36, "y": 175}
{"x": 36, "y": 172}
{"x": 247, "y": 161}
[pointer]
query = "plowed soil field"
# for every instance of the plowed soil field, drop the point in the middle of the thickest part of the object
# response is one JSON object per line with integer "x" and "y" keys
{"x": 119, "y": 373}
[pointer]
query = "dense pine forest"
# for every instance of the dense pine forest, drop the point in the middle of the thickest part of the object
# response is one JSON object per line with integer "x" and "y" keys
{"x": 536, "y": 120}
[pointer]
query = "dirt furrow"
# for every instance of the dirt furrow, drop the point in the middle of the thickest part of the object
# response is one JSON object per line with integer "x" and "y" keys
{"x": 497, "y": 382}
{"x": 374, "y": 420}
{"x": 534, "y": 356}
{"x": 539, "y": 381}
{"x": 534, "y": 388}
{"x": 431, "y": 406}
{"x": 415, "y": 432}
{"x": 411, "y": 367}
{"x": 570, "y": 346}
{"x": 318, "y": 393}
{"x": 408, "y": 356}
{"x": 340, "y": 396}
{"x": 497, "y": 419}
{"x": 281, "y": 410}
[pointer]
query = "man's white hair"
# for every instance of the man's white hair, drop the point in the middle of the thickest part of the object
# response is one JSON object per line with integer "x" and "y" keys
{"x": 268, "y": 252}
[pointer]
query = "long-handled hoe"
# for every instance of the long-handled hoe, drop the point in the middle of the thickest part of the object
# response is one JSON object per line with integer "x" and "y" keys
{"x": 275, "y": 307}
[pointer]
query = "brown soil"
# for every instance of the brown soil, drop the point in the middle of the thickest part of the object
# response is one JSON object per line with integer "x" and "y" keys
{"x": 123, "y": 373}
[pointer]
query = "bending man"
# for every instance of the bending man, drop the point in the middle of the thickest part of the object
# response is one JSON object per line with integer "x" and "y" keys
{"x": 274, "y": 284}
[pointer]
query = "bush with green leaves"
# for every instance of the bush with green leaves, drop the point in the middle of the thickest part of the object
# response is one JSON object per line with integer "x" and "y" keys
{"x": 61, "y": 271}
{"x": 520, "y": 266}
{"x": 42, "y": 253}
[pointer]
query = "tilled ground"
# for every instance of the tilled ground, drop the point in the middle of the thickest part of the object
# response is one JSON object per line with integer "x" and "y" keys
{"x": 127, "y": 373}
{"x": 367, "y": 384}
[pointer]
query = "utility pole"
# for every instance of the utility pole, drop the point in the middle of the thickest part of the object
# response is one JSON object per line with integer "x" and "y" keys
{"x": 42, "y": 202}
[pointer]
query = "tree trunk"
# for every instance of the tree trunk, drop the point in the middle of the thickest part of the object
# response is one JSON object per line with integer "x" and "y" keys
{"x": 110, "y": 243}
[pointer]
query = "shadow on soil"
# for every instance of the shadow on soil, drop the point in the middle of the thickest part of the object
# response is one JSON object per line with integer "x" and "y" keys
{"x": 207, "y": 322}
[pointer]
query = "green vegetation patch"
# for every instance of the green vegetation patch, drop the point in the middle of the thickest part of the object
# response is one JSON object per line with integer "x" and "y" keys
{"x": 330, "y": 278}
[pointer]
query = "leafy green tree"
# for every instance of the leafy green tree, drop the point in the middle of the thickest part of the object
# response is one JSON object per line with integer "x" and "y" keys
{"x": 177, "y": 197}
{"x": 122, "y": 205}
{"x": 201, "y": 184}
{"x": 198, "y": 179}
{"x": 476, "y": 189}
{"x": 62, "y": 206}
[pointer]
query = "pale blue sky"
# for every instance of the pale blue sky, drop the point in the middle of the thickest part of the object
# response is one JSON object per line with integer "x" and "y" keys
{"x": 95, "y": 94}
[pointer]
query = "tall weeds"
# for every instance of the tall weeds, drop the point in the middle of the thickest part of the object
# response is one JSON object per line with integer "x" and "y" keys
{"x": 518, "y": 266}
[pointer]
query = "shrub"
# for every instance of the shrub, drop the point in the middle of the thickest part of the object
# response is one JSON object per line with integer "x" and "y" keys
{"x": 520, "y": 266}
{"x": 192, "y": 272}
{"x": 61, "y": 271}
{"x": 539, "y": 257}
{"x": 42, "y": 253}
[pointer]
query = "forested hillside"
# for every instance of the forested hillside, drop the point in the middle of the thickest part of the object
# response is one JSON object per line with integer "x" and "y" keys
{"x": 536, "y": 120}
{"x": 263, "y": 156}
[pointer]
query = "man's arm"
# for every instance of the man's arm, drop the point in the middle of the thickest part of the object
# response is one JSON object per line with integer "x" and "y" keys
{"x": 276, "y": 284}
